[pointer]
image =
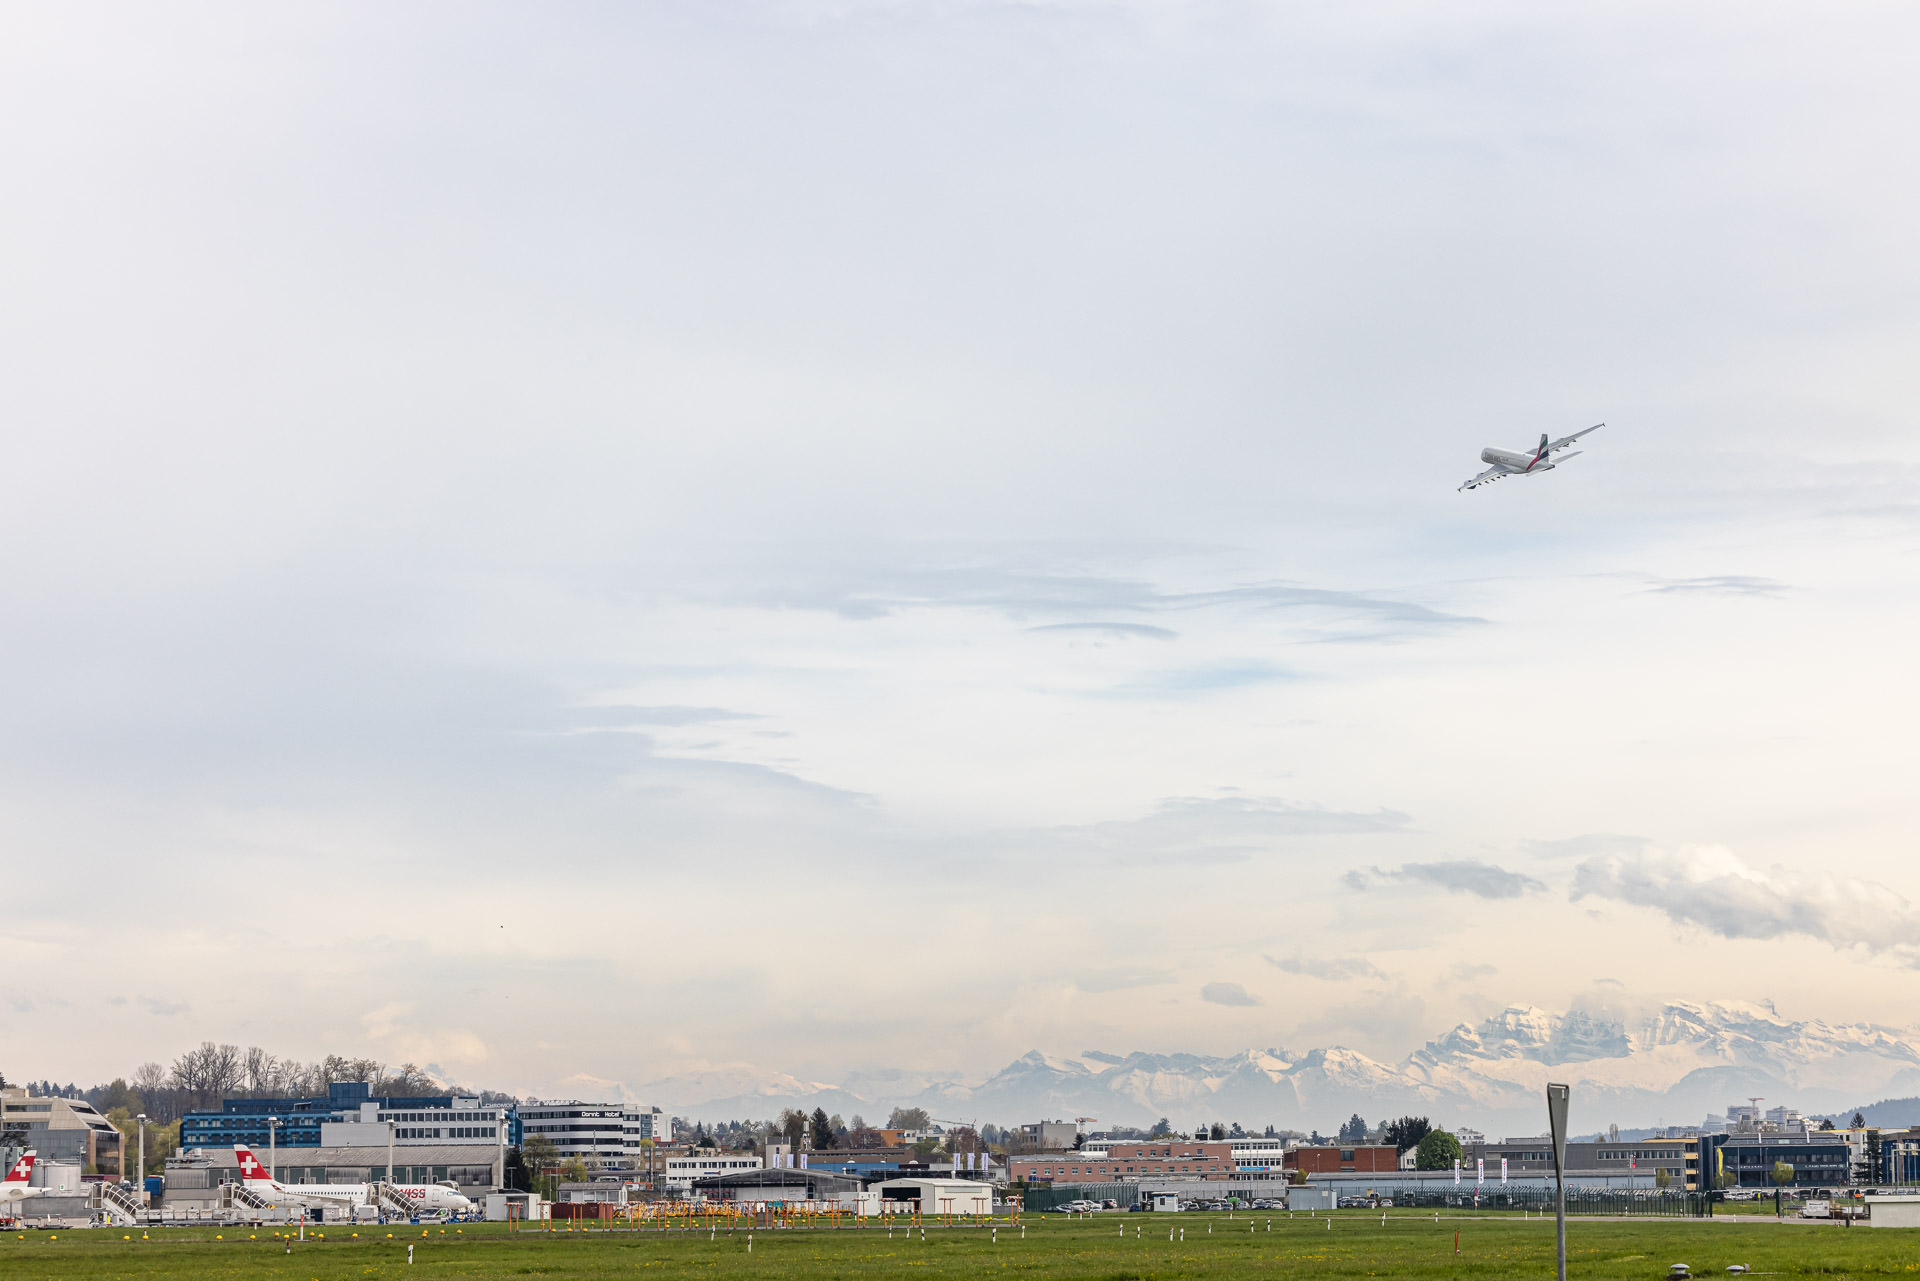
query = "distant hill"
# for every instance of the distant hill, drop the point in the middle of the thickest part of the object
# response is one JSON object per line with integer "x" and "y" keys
{"x": 1888, "y": 1114}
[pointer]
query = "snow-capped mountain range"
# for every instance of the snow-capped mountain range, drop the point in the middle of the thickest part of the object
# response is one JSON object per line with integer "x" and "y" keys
{"x": 1674, "y": 1066}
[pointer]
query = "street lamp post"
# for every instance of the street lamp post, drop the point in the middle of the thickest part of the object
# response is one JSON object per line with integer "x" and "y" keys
{"x": 273, "y": 1144}
{"x": 1557, "y": 1126}
{"x": 390, "y": 1133}
{"x": 141, "y": 1185}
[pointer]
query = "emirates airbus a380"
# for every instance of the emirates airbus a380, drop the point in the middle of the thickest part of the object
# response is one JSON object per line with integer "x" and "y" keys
{"x": 254, "y": 1177}
{"x": 1509, "y": 463}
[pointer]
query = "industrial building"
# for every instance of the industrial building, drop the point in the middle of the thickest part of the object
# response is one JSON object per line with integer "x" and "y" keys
{"x": 938, "y": 1196}
{"x": 348, "y": 1115}
{"x": 1354, "y": 1158}
{"x": 1128, "y": 1163}
{"x": 780, "y": 1187}
{"x": 66, "y": 1131}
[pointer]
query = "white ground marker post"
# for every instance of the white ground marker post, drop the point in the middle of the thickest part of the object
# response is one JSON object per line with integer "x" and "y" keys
{"x": 1557, "y": 1126}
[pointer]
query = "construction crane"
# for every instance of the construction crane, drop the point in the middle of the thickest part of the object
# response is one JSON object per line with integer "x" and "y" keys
{"x": 1085, "y": 1120}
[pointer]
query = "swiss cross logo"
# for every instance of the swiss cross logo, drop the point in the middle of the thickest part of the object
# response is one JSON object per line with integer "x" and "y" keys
{"x": 249, "y": 1166}
{"x": 21, "y": 1169}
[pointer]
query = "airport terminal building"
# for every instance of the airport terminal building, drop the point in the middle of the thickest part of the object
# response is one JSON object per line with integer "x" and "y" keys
{"x": 349, "y": 1115}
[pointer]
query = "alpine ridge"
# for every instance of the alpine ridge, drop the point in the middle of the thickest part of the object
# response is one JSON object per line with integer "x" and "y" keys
{"x": 1673, "y": 1066}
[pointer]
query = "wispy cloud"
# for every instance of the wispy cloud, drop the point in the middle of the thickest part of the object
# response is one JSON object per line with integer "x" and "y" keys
{"x": 164, "y": 1009}
{"x": 1123, "y": 631}
{"x": 1220, "y": 829}
{"x": 1587, "y": 846}
{"x": 619, "y": 717}
{"x": 1121, "y": 980}
{"x": 1228, "y": 994}
{"x": 1456, "y": 876}
{"x": 1721, "y": 585}
{"x": 1330, "y": 614}
{"x": 1331, "y": 968}
{"x": 1715, "y": 889}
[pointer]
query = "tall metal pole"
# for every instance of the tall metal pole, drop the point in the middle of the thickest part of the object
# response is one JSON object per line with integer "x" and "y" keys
{"x": 1557, "y": 1124}
{"x": 273, "y": 1133}
{"x": 140, "y": 1184}
{"x": 389, "y": 1178}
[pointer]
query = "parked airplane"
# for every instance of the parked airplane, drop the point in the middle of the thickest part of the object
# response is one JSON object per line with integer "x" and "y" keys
{"x": 1507, "y": 463}
{"x": 254, "y": 1177}
{"x": 14, "y": 1186}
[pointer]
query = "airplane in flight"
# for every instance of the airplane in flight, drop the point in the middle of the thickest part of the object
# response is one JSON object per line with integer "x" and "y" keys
{"x": 254, "y": 1177}
{"x": 14, "y": 1187}
{"x": 1507, "y": 463}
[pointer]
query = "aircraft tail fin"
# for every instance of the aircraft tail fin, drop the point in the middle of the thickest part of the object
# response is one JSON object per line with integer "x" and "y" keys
{"x": 22, "y": 1170}
{"x": 251, "y": 1171}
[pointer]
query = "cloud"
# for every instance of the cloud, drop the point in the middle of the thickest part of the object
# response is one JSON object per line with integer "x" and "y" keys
{"x": 1585, "y": 846}
{"x": 1329, "y": 614}
{"x": 1228, "y": 994}
{"x": 1711, "y": 887}
{"x": 1332, "y": 969}
{"x": 164, "y": 1009}
{"x": 1122, "y": 979}
{"x": 1121, "y": 630}
{"x": 1208, "y": 677}
{"x": 616, "y": 717}
{"x": 1456, "y": 876}
{"x": 1721, "y": 585}
{"x": 1225, "y": 829}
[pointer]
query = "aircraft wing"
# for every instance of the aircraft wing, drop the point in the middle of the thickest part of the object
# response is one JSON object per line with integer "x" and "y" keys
{"x": 1558, "y": 445}
{"x": 1487, "y": 477}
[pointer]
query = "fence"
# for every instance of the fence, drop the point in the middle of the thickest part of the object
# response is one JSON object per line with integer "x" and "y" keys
{"x": 1580, "y": 1201}
{"x": 1587, "y": 1202}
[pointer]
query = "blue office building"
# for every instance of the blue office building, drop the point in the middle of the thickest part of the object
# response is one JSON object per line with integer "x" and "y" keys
{"x": 439, "y": 1118}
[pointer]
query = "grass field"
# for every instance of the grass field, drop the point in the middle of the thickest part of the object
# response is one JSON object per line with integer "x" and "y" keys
{"x": 1104, "y": 1248}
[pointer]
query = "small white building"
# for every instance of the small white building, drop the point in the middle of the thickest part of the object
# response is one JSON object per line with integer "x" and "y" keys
{"x": 1893, "y": 1211}
{"x": 681, "y": 1171}
{"x": 939, "y": 1196}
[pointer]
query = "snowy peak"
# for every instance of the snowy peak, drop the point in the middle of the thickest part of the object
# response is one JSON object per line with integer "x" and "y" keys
{"x": 1677, "y": 1063}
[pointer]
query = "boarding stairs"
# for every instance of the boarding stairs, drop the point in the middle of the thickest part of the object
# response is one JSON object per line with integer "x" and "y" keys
{"x": 244, "y": 1197}
{"x": 391, "y": 1200}
{"x": 121, "y": 1206}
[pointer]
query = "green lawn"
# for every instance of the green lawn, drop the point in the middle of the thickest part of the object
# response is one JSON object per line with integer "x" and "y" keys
{"x": 1104, "y": 1248}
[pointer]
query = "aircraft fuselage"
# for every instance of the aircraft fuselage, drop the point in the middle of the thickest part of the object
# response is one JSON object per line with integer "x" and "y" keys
{"x": 1507, "y": 458}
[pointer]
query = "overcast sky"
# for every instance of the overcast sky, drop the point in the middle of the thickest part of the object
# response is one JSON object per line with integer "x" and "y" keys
{"x": 584, "y": 543}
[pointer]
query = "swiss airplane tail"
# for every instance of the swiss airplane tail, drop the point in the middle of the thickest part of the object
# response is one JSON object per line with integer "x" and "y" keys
{"x": 21, "y": 1170}
{"x": 251, "y": 1171}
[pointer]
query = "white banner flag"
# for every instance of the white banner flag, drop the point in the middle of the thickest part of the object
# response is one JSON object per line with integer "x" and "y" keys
{"x": 1479, "y": 1170}
{"x": 1456, "y": 1171}
{"x": 803, "y": 1160}
{"x": 1503, "y": 1169}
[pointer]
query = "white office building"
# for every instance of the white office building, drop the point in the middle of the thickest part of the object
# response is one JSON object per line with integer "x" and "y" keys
{"x": 466, "y": 1122}
{"x": 601, "y": 1134}
{"x": 681, "y": 1171}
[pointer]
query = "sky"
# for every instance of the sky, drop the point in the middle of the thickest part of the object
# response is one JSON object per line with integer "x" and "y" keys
{"x": 588, "y": 545}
